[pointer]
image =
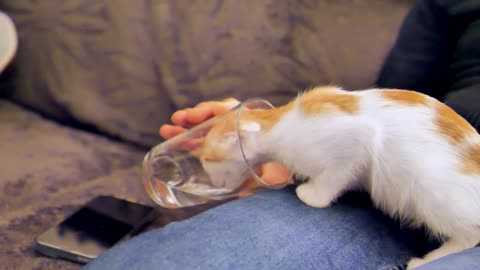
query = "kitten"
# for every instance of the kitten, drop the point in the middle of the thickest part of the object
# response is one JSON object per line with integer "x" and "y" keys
{"x": 417, "y": 158}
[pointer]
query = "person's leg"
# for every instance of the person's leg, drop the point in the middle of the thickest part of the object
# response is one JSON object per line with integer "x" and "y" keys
{"x": 465, "y": 260}
{"x": 268, "y": 230}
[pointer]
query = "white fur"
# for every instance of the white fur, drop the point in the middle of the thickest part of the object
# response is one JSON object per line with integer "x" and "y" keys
{"x": 390, "y": 150}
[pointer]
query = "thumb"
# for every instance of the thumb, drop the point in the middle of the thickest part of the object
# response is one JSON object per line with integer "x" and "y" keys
{"x": 275, "y": 174}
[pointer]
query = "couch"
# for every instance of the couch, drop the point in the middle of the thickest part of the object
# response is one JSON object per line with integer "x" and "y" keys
{"x": 93, "y": 80}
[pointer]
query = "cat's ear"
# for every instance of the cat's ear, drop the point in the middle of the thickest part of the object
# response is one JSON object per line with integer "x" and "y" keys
{"x": 249, "y": 132}
{"x": 229, "y": 138}
{"x": 250, "y": 127}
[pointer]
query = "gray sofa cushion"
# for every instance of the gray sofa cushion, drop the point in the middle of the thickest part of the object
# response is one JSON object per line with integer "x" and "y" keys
{"x": 47, "y": 171}
{"x": 124, "y": 66}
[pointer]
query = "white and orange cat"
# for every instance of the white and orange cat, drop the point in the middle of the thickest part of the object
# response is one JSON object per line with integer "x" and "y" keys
{"x": 417, "y": 158}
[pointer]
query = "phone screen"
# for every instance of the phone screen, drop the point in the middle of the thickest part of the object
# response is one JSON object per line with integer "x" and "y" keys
{"x": 94, "y": 228}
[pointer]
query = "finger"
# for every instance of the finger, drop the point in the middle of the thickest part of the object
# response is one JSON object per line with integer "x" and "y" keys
{"x": 274, "y": 174}
{"x": 228, "y": 102}
{"x": 205, "y": 104}
{"x": 226, "y": 105}
{"x": 232, "y": 101}
{"x": 179, "y": 118}
{"x": 249, "y": 188}
{"x": 169, "y": 131}
{"x": 202, "y": 112}
{"x": 199, "y": 115}
{"x": 221, "y": 108}
{"x": 206, "y": 110}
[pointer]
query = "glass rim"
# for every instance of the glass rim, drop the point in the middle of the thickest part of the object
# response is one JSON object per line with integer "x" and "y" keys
{"x": 240, "y": 108}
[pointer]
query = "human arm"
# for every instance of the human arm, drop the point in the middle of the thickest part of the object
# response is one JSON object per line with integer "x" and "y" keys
{"x": 437, "y": 53}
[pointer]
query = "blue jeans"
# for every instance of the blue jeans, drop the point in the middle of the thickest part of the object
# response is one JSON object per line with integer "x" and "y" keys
{"x": 274, "y": 230}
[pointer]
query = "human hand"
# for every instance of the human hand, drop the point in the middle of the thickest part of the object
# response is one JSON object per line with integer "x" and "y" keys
{"x": 271, "y": 173}
{"x": 190, "y": 117}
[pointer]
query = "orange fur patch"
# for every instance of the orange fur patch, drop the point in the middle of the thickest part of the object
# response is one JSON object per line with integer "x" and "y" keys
{"x": 211, "y": 150}
{"x": 405, "y": 97}
{"x": 267, "y": 118}
{"x": 228, "y": 124}
{"x": 471, "y": 160}
{"x": 212, "y": 154}
{"x": 328, "y": 99}
{"x": 451, "y": 125}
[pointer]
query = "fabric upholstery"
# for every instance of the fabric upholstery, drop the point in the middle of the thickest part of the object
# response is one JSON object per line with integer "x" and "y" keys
{"x": 124, "y": 66}
{"x": 48, "y": 170}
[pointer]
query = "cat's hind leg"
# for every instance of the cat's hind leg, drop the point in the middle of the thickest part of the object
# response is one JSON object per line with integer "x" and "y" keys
{"x": 449, "y": 247}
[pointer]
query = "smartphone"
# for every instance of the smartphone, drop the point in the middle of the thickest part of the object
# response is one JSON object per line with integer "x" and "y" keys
{"x": 94, "y": 228}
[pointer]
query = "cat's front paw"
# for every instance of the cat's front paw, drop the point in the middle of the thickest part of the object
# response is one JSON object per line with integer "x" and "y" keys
{"x": 311, "y": 196}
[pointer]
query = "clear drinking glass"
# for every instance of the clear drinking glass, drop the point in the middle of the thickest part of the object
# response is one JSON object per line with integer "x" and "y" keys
{"x": 208, "y": 162}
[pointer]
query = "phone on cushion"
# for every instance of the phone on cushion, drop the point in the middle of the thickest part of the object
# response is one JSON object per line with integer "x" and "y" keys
{"x": 94, "y": 228}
